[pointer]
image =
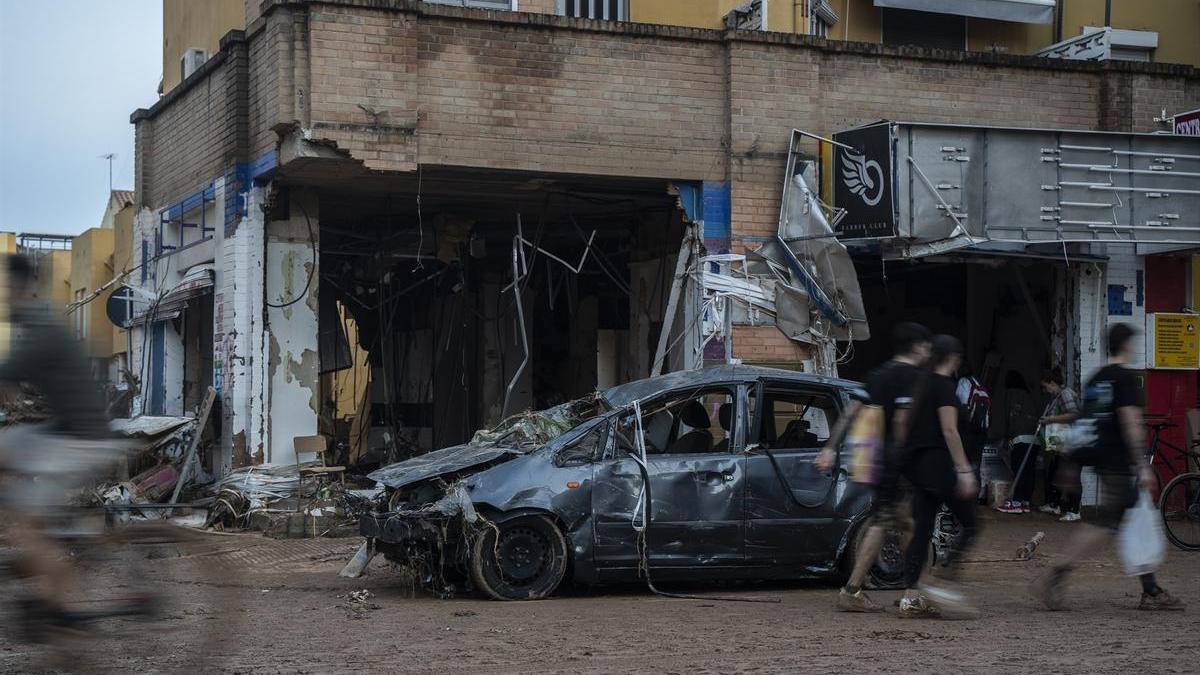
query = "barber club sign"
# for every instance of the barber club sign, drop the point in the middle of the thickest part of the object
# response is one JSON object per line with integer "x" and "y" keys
{"x": 1188, "y": 123}
{"x": 862, "y": 182}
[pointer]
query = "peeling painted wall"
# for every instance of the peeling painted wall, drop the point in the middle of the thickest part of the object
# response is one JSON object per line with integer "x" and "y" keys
{"x": 291, "y": 340}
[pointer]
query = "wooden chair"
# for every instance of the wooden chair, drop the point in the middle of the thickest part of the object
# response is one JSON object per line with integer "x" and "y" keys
{"x": 315, "y": 449}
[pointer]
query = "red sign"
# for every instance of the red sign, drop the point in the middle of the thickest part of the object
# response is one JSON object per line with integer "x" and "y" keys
{"x": 1188, "y": 123}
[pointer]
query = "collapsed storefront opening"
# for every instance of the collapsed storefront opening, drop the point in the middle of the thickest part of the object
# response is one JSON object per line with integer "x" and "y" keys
{"x": 1012, "y": 313}
{"x": 473, "y": 295}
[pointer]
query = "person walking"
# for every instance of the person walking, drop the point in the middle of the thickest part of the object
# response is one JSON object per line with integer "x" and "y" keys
{"x": 936, "y": 465}
{"x": 888, "y": 386}
{"x": 1062, "y": 475}
{"x": 1112, "y": 408}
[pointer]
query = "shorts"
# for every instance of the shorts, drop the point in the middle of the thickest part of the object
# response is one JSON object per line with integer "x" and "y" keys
{"x": 1118, "y": 494}
{"x": 885, "y": 508}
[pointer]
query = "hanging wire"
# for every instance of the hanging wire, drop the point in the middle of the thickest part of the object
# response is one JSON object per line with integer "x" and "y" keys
{"x": 312, "y": 270}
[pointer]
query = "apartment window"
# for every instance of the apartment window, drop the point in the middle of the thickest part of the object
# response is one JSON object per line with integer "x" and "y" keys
{"x": 747, "y": 16}
{"x": 81, "y": 312}
{"x": 606, "y": 10}
{"x": 924, "y": 29}
{"x": 821, "y": 16}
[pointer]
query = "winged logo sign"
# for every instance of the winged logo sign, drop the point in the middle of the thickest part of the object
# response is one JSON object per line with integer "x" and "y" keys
{"x": 862, "y": 183}
{"x": 862, "y": 176}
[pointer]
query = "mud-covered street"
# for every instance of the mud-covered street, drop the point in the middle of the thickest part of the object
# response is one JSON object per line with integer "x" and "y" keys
{"x": 298, "y": 616}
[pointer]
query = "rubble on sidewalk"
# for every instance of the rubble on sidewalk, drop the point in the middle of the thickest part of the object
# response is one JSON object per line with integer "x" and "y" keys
{"x": 272, "y": 499}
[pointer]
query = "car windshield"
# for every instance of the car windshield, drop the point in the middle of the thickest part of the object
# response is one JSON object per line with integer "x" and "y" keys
{"x": 541, "y": 426}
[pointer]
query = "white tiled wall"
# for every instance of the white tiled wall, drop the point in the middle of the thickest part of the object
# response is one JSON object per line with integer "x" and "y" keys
{"x": 1093, "y": 320}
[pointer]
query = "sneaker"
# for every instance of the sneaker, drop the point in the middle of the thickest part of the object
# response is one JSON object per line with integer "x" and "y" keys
{"x": 1163, "y": 600}
{"x": 1009, "y": 507}
{"x": 1025, "y": 507}
{"x": 948, "y": 603}
{"x": 917, "y": 609}
{"x": 856, "y": 602}
{"x": 1051, "y": 510}
{"x": 1069, "y": 517}
{"x": 1049, "y": 589}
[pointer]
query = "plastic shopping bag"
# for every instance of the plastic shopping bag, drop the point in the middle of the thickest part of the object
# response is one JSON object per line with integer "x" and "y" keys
{"x": 1141, "y": 542}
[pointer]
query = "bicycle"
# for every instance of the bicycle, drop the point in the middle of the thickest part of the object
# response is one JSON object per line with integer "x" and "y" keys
{"x": 140, "y": 595}
{"x": 1179, "y": 500}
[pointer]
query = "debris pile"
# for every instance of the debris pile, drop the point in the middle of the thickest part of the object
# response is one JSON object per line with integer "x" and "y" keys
{"x": 358, "y": 603}
{"x": 258, "y": 489}
{"x": 22, "y": 406}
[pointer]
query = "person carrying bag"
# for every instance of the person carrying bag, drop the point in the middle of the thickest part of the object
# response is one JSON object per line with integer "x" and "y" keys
{"x": 1111, "y": 437}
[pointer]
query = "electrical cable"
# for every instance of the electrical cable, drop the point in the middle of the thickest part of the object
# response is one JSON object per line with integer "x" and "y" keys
{"x": 312, "y": 240}
{"x": 643, "y": 509}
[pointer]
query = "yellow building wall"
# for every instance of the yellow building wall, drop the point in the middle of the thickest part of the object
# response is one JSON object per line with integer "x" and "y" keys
{"x": 1177, "y": 23}
{"x": 122, "y": 260}
{"x": 200, "y": 24}
{"x": 8, "y": 246}
{"x": 91, "y": 260}
{"x": 54, "y": 280}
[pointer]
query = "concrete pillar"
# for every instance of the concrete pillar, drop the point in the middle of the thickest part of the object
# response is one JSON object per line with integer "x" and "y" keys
{"x": 290, "y": 301}
{"x": 238, "y": 338}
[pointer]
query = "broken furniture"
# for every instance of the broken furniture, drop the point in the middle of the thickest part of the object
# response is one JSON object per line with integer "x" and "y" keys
{"x": 314, "y": 450}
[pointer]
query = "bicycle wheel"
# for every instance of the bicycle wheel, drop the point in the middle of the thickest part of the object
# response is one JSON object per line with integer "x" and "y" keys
{"x": 1180, "y": 508}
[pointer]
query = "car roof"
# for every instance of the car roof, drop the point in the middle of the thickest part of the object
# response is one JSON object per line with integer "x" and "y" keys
{"x": 624, "y": 394}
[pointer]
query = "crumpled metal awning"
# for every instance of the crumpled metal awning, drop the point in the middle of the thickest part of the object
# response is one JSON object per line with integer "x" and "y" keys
{"x": 196, "y": 282}
{"x": 1021, "y": 11}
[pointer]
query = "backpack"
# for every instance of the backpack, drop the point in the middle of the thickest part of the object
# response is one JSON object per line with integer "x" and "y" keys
{"x": 977, "y": 408}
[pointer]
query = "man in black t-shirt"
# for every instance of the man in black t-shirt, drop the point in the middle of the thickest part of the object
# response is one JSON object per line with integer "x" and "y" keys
{"x": 888, "y": 386}
{"x": 1112, "y": 401}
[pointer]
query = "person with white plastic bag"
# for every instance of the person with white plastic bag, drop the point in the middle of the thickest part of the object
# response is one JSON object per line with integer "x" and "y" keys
{"x": 1141, "y": 543}
{"x": 1111, "y": 437}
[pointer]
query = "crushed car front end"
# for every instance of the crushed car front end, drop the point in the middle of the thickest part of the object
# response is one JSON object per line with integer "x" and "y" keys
{"x": 425, "y": 519}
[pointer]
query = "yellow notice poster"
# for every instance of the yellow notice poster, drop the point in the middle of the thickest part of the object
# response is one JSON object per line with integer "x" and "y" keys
{"x": 1176, "y": 341}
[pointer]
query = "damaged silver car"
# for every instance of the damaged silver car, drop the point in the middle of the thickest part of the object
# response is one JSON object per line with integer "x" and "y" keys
{"x": 694, "y": 475}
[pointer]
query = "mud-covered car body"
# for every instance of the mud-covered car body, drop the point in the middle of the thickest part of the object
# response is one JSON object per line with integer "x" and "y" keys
{"x": 740, "y": 498}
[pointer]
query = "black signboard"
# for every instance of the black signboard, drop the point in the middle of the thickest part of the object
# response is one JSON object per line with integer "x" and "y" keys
{"x": 863, "y": 183}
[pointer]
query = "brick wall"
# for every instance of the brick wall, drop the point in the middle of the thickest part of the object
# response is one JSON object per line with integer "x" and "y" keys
{"x": 193, "y": 133}
{"x": 765, "y": 345}
{"x": 395, "y": 83}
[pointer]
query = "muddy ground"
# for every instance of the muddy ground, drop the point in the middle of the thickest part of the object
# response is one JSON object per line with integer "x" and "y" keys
{"x": 292, "y": 615}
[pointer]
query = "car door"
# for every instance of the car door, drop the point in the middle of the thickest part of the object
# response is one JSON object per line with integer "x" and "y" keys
{"x": 696, "y": 486}
{"x": 791, "y": 516}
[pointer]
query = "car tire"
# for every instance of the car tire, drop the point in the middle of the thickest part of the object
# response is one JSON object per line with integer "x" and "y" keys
{"x": 888, "y": 570}
{"x": 524, "y": 558}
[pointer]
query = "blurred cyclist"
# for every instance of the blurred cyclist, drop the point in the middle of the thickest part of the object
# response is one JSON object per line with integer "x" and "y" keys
{"x": 38, "y": 464}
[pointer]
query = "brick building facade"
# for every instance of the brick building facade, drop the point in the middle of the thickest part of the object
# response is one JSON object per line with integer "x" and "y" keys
{"x": 343, "y": 104}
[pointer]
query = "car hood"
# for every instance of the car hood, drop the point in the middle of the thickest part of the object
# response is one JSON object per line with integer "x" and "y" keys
{"x": 439, "y": 462}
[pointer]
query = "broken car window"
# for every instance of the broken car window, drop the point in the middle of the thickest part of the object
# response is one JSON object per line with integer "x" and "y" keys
{"x": 697, "y": 421}
{"x": 584, "y": 449}
{"x": 797, "y": 420}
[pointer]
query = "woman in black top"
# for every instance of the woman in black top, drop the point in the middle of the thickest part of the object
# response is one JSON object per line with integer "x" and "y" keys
{"x": 939, "y": 472}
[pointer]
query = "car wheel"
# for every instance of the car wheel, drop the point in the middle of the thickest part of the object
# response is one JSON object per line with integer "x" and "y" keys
{"x": 520, "y": 559}
{"x": 888, "y": 570}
